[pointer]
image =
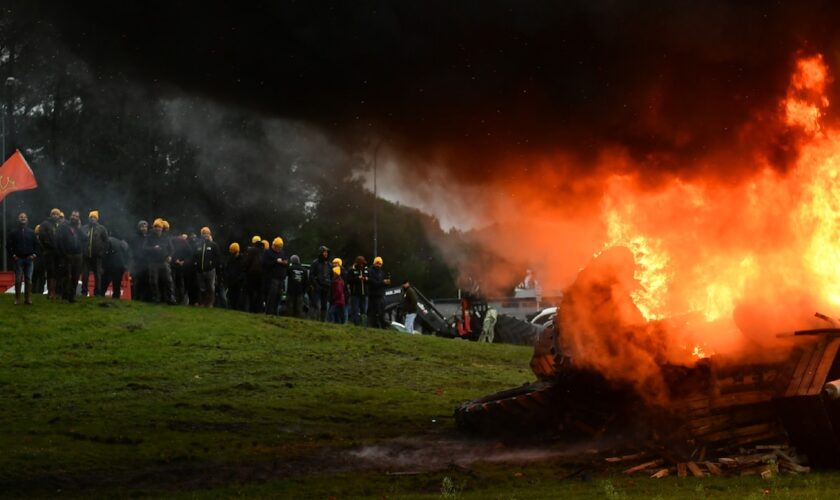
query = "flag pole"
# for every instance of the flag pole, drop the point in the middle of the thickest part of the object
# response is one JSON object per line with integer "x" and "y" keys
{"x": 5, "y": 257}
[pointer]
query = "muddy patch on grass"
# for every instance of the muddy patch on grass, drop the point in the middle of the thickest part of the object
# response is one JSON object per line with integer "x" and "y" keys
{"x": 426, "y": 455}
{"x": 403, "y": 456}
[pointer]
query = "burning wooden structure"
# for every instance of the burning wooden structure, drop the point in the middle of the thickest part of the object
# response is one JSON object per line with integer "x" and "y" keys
{"x": 716, "y": 405}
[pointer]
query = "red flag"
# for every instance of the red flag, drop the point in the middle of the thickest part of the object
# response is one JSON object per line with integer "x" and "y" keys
{"x": 15, "y": 175}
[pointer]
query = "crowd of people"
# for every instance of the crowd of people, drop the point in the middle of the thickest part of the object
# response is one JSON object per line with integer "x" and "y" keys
{"x": 190, "y": 269}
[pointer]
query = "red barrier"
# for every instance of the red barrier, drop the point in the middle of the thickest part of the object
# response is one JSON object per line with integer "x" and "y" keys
{"x": 125, "y": 287}
{"x": 7, "y": 280}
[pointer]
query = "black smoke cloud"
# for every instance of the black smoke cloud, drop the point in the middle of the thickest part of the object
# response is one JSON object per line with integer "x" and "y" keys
{"x": 476, "y": 84}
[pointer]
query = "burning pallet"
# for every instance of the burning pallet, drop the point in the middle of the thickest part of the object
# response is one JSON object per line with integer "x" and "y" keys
{"x": 791, "y": 403}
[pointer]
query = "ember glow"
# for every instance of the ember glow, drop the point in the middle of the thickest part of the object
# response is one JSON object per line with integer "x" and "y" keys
{"x": 720, "y": 265}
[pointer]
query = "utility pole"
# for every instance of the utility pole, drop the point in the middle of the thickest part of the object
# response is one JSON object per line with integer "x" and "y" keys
{"x": 375, "y": 203}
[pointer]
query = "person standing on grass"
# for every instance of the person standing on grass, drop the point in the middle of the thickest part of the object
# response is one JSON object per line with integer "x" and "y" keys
{"x": 358, "y": 277}
{"x": 115, "y": 265}
{"x": 275, "y": 267}
{"x": 337, "y": 297}
{"x": 254, "y": 275}
{"x": 235, "y": 277}
{"x": 298, "y": 280}
{"x": 408, "y": 305}
{"x": 70, "y": 246}
{"x": 47, "y": 238}
{"x": 158, "y": 250}
{"x": 22, "y": 244}
{"x": 377, "y": 282}
{"x": 182, "y": 252}
{"x": 320, "y": 273}
{"x": 96, "y": 244}
{"x": 206, "y": 260}
{"x": 139, "y": 266}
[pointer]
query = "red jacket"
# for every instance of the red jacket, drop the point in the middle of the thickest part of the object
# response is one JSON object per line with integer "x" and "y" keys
{"x": 337, "y": 292}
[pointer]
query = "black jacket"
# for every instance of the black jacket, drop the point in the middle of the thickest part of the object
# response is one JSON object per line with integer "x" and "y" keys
{"x": 408, "y": 304}
{"x": 271, "y": 267}
{"x": 357, "y": 279}
{"x": 235, "y": 271}
{"x": 253, "y": 260}
{"x": 298, "y": 280}
{"x": 71, "y": 239}
{"x": 117, "y": 257}
{"x": 22, "y": 242}
{"x": 157, "y": 248}
{"x": 96, "y": 240}
{"x": 48, "y": 234}
{"x": 320, "y": 272}
{"x": 206, "y": 256}
{"x": 138, "y": 254}
{"x": 376, "y": 282}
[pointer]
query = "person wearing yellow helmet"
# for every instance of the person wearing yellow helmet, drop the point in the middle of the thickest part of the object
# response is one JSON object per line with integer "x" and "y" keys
{"x": 338, "y": 263}
{"x": 378, "y": 281}
{"x": 206, "y": 260}
{"x": 254, "y": 276}
{"x": 235, "y": 277}
{"x": 96, "y": 244}
{"x": 338, "y": 297}
{"x": 158, "y": 249}
{"x": 275, "y": 267}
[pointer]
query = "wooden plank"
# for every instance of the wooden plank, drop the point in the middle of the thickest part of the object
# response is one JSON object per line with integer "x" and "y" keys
{"x": 811, "y": 370}
{"x": 644, "y": 466}
{"x": 695, "y": 469}
{"x": 800, "y": 469}
{"x": 738, "y": 432}
{"x": 661, "y": 473}
{"x": 823, "y": 368}
{"x": 742, "y": 398}
{"x": 713, "y": 468}
{"x": 682, "y": 469}
{"x": 799, "y": 372}
{"x": 625, "y": 458}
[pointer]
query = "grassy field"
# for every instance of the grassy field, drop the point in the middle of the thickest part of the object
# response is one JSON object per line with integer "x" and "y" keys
{"x": 120, "y": 398}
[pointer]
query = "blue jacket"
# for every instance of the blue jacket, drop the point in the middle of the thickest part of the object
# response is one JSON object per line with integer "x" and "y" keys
{"x": 22, "y": 242}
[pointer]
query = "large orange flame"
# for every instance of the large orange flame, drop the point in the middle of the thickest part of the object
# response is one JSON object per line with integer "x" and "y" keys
{"x": 721, "y": 267}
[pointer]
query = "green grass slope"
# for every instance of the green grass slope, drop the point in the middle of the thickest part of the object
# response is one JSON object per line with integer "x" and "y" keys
{"x": 115, "y": 386}
{"x": 108, "y": 398}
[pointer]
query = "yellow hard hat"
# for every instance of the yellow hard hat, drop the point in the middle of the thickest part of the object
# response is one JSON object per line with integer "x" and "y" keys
{"x": 255, "y": 239}
{"x": 337, "y": 261}
{"x": 205, "y": 230}
{"x": 265, "y": 244}
{"x": 277, "y": 243}
{"x": 377, "y": 260}
{"x": 166, "y": 225}
{"x": 37, "y": 229}
{"x": 234, "y": 248}
{"x": 55, "y": 212}
{"x": 94, "y": 213}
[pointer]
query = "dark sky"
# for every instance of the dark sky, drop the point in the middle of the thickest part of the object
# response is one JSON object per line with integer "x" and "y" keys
{"x": 475, "y": 83}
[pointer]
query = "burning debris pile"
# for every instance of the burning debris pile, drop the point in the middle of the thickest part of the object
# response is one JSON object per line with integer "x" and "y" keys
{"x": 674, "y": 333}
{"x": 764, "y": 460}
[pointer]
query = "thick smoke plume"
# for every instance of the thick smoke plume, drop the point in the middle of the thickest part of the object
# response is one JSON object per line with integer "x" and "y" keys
{"x": 697, "y": 135}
